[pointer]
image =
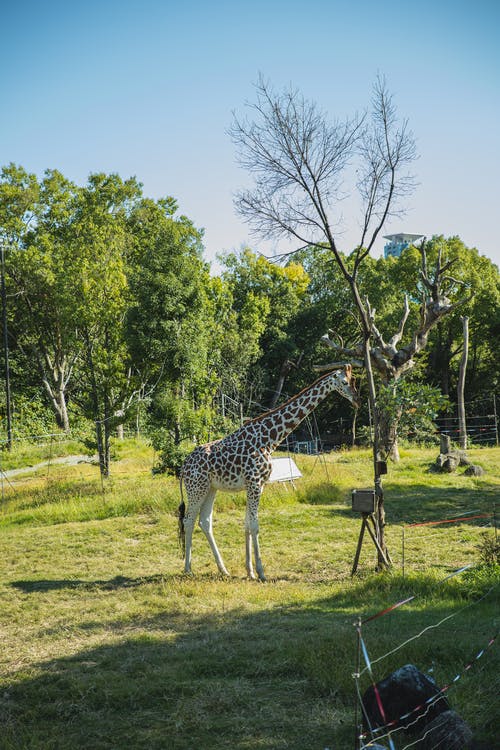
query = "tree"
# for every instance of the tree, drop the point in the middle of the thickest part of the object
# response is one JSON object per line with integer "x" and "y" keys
{"x": 471, "y": 284}
{"x": 18, "y": 192}
{"x": 170, "y": 326}
{"x": 45, "y": 325}
{"x": 299, "y": 160}
{"x": 98, "y": 237}
{"x": 267, "y": 299}
{"x": 481, "y": 278}
{"x": 392, "y": 359}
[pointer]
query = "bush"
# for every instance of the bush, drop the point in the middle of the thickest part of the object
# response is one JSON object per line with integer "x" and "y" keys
{"x": 489, "y": 549}
{"x": 171, "y": 455}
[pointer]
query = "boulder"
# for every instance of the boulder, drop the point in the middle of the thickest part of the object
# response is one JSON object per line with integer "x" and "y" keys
{"x": 448, "y": 731}
{"x": 473, "y": 470}
{"x": 405, "y": 691}
{"x": 449, "y": 462}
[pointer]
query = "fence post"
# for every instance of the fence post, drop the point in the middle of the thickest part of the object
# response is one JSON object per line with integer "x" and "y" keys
{"x": 403, "y": 549}
{"x": 496, "y": 417}
{"x": 357, "y": 625}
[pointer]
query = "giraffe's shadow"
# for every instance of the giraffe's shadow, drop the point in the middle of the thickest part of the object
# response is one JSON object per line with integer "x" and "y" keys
{"x": 113, "y": 584}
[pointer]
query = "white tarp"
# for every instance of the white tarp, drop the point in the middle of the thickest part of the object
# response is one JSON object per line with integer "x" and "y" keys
{"x": 284, "y": 470}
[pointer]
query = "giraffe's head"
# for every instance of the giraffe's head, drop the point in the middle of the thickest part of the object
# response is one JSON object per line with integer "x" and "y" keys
{"x": 345, "y": 383}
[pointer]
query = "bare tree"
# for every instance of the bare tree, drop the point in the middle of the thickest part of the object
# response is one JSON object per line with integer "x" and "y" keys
{"x": 299, "y": 161}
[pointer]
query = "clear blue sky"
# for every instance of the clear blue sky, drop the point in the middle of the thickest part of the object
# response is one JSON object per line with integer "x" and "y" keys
{"x": 147, "y": 88}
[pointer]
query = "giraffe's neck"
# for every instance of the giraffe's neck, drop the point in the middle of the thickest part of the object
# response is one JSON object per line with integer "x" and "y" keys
{"x": 272, "y": 428}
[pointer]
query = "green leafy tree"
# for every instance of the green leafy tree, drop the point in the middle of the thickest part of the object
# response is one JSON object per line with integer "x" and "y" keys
{"x": 45, "y": 326}
{"x": 170, "y": 326}
{"x": 98, "y": 237}
{"x": 266, "y": 298}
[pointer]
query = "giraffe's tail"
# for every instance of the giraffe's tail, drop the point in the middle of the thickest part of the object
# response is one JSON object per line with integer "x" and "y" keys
{"x": 181, "y": 512}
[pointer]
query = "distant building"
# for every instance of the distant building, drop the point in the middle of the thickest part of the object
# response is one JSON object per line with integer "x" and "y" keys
{"x": 398, "y": 242}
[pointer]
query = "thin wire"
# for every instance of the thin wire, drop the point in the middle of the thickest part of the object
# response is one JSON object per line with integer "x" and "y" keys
{"x": 430, "y": 627}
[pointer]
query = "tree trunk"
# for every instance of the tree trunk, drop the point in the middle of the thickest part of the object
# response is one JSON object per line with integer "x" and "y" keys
{"x": 379, "y": 491}
{"x": 353, "y": 428}
{"x": 462, "y": 426}
{"x": 106, "y": 449}
{"x": 445, "y": 444}
{"x": 101, "y": 437}
{"x": 119, "y": 415}
{"x": 285, "y": 369}
{"x": 54, "y": 382}
{"x": 62, "y": 413}
{"x": 388, "y": 423}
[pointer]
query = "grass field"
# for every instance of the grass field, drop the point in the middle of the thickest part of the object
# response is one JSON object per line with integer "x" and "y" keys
{"x": 105, "y": 645}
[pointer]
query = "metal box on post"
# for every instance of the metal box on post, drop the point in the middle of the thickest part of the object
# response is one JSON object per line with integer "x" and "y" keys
{"x": 363, "y": 501}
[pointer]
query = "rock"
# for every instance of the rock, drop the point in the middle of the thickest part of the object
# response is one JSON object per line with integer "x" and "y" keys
{"x": 473, "y": 470}
{"x": 405, "y": 691}
{"x": 440, "y": 460}
{"x": 462, "y": 457}
{"x": 448, "y": 731}
{"x": 445, "y": 443}
{"x": 450, "y": 464}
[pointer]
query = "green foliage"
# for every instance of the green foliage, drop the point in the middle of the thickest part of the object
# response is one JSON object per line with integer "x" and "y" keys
{"x": 475, "y": 281}
{"x": 417, "y": 403}
{"x": 111, "y": 305}
{"x": 31, "y": 417}
{"x": 171, "y": 455}
{"x": 174, "y": 425}
{"x": 489, "y": 549}
{"x": 267, "y": 300}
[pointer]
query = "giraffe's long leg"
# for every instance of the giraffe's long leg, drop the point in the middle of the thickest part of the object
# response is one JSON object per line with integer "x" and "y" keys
{"x": 248, "y": 552}
{"x": 195, "y": 501}
{"x": 254, "y": 491}
{"x": 206, "y": 525}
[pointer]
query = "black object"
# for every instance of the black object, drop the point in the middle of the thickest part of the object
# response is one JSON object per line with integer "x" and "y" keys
{"x": 405, "y": 691}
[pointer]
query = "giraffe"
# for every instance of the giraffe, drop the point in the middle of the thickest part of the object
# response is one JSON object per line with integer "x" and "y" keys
{"x": 242, "y": 460}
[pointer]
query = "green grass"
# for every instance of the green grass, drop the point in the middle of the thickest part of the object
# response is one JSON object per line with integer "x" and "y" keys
{"x": 105, "y": 645}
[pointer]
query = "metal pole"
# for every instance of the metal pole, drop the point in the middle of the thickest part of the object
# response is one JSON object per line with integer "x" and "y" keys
{"x": 403, "y": 549}
{"x": 6, "y": 353}
{"x": 496, "y": 417}
{"x": 356, "y": 677}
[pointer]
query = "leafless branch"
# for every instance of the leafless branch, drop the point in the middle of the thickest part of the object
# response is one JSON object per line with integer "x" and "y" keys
{"x": 386, "y": 150}
{"x": 358, "y": 363}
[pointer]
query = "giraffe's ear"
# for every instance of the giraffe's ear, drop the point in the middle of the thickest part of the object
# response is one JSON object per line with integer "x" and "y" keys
{"x": 348, "y": 370}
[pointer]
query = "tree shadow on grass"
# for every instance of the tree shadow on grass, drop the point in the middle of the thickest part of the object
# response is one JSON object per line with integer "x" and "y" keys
{"x": 278, "y": 678}
{"x": 419, "y": 503}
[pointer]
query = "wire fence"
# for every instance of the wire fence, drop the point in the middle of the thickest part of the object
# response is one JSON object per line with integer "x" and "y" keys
{"x": 400, "y": 731}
